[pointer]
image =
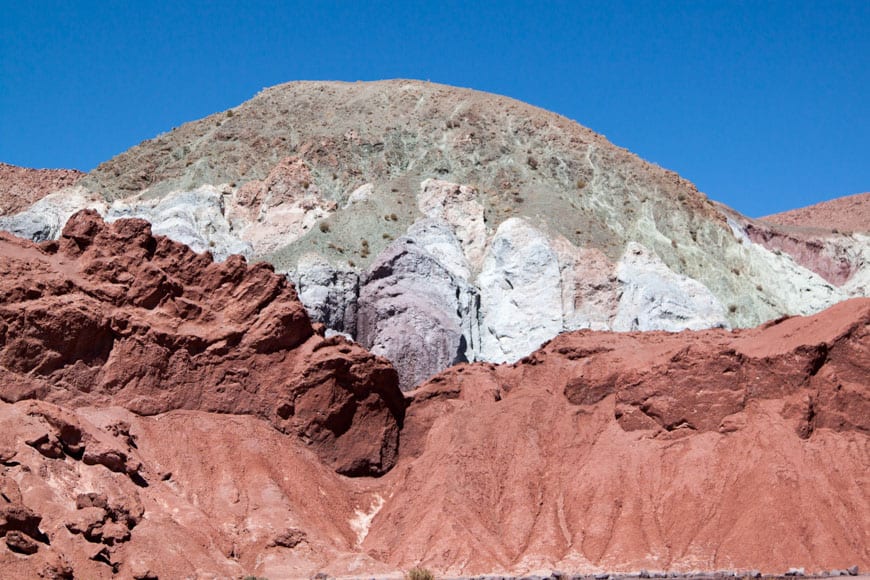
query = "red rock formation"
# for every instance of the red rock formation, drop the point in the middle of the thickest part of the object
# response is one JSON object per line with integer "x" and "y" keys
{"x": 601, "y": 452}
{"x": 111, "y": 315}
{"x": 20, "y": 187}
{"x": 690, "y": 451}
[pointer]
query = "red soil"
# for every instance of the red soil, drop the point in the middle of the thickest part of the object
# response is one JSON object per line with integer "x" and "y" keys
{"x": 20, "y": 187}
{"x": 847, "y": 214}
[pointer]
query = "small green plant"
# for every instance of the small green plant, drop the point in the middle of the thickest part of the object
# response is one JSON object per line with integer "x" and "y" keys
{"x": 418, "y": 573}
{"x": 230, "y": 113}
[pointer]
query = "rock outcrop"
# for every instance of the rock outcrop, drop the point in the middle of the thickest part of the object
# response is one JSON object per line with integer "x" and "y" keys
{"x": 320, "y": 179}
{"x": 415, "y": 310}
{"x": 600, "y": 453}
{"x": 520, "y": 292}
{"x": 712, "y": 450}
{"x": 655, "y": 298}
{"x": 113, "y": 315}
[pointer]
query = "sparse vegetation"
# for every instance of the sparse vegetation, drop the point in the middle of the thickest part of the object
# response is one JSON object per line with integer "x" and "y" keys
{"x": 418, "y": 573}
{"x": 732, "y": 308}
{"x": 324, "y": 227}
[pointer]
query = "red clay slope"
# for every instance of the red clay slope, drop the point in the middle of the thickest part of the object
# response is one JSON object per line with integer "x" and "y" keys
{"x": 21, "y": 187}
{"x": 692, "y": 451}
{"x": 848, "y": 214}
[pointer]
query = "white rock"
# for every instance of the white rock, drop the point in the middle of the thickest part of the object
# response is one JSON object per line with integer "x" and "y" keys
{"x": 329, "y": 293}
{"x": 276, "y": 211}
{"x": 195, "y": 218}
{"x": 520, "y": 293}
{"x": 656, "y": 298}
{"x": 360, "y": 194}
{"x": 45, "y": 219}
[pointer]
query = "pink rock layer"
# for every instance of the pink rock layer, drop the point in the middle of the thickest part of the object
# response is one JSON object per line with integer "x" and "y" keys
{"x": 21, "y": 187}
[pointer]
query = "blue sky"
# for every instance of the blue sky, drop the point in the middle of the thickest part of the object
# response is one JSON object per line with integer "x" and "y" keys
{"x": 764, "y": 105}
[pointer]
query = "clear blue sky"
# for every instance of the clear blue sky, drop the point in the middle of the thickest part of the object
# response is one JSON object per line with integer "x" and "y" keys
{"x": 764, "y": 105}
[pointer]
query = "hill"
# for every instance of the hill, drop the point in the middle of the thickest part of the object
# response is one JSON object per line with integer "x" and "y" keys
{"x": 437, "y": 225}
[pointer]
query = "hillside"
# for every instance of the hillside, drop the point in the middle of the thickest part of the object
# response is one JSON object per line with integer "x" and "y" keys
{"x": 437, "y": 225}
{"x": 849, "y": 213}
{"x": 164, "y": 416}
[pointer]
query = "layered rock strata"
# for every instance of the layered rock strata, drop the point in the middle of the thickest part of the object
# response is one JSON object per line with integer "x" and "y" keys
{"x": 542, "y": 225}
{"x": 601, "y": 453}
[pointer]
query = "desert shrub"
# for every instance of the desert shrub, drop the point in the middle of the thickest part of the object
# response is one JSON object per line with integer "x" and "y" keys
{"x": 732, "y": 308}
{"x": 324, "y": 227}
{"x": 418, "y": 573}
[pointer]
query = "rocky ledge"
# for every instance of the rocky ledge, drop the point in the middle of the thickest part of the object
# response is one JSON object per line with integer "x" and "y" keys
{"x": 113, "y": 315}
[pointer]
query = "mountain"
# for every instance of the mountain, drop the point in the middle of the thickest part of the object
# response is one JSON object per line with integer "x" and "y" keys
{"x": 437, "y": 225}
{"x": 165, "y": 416}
